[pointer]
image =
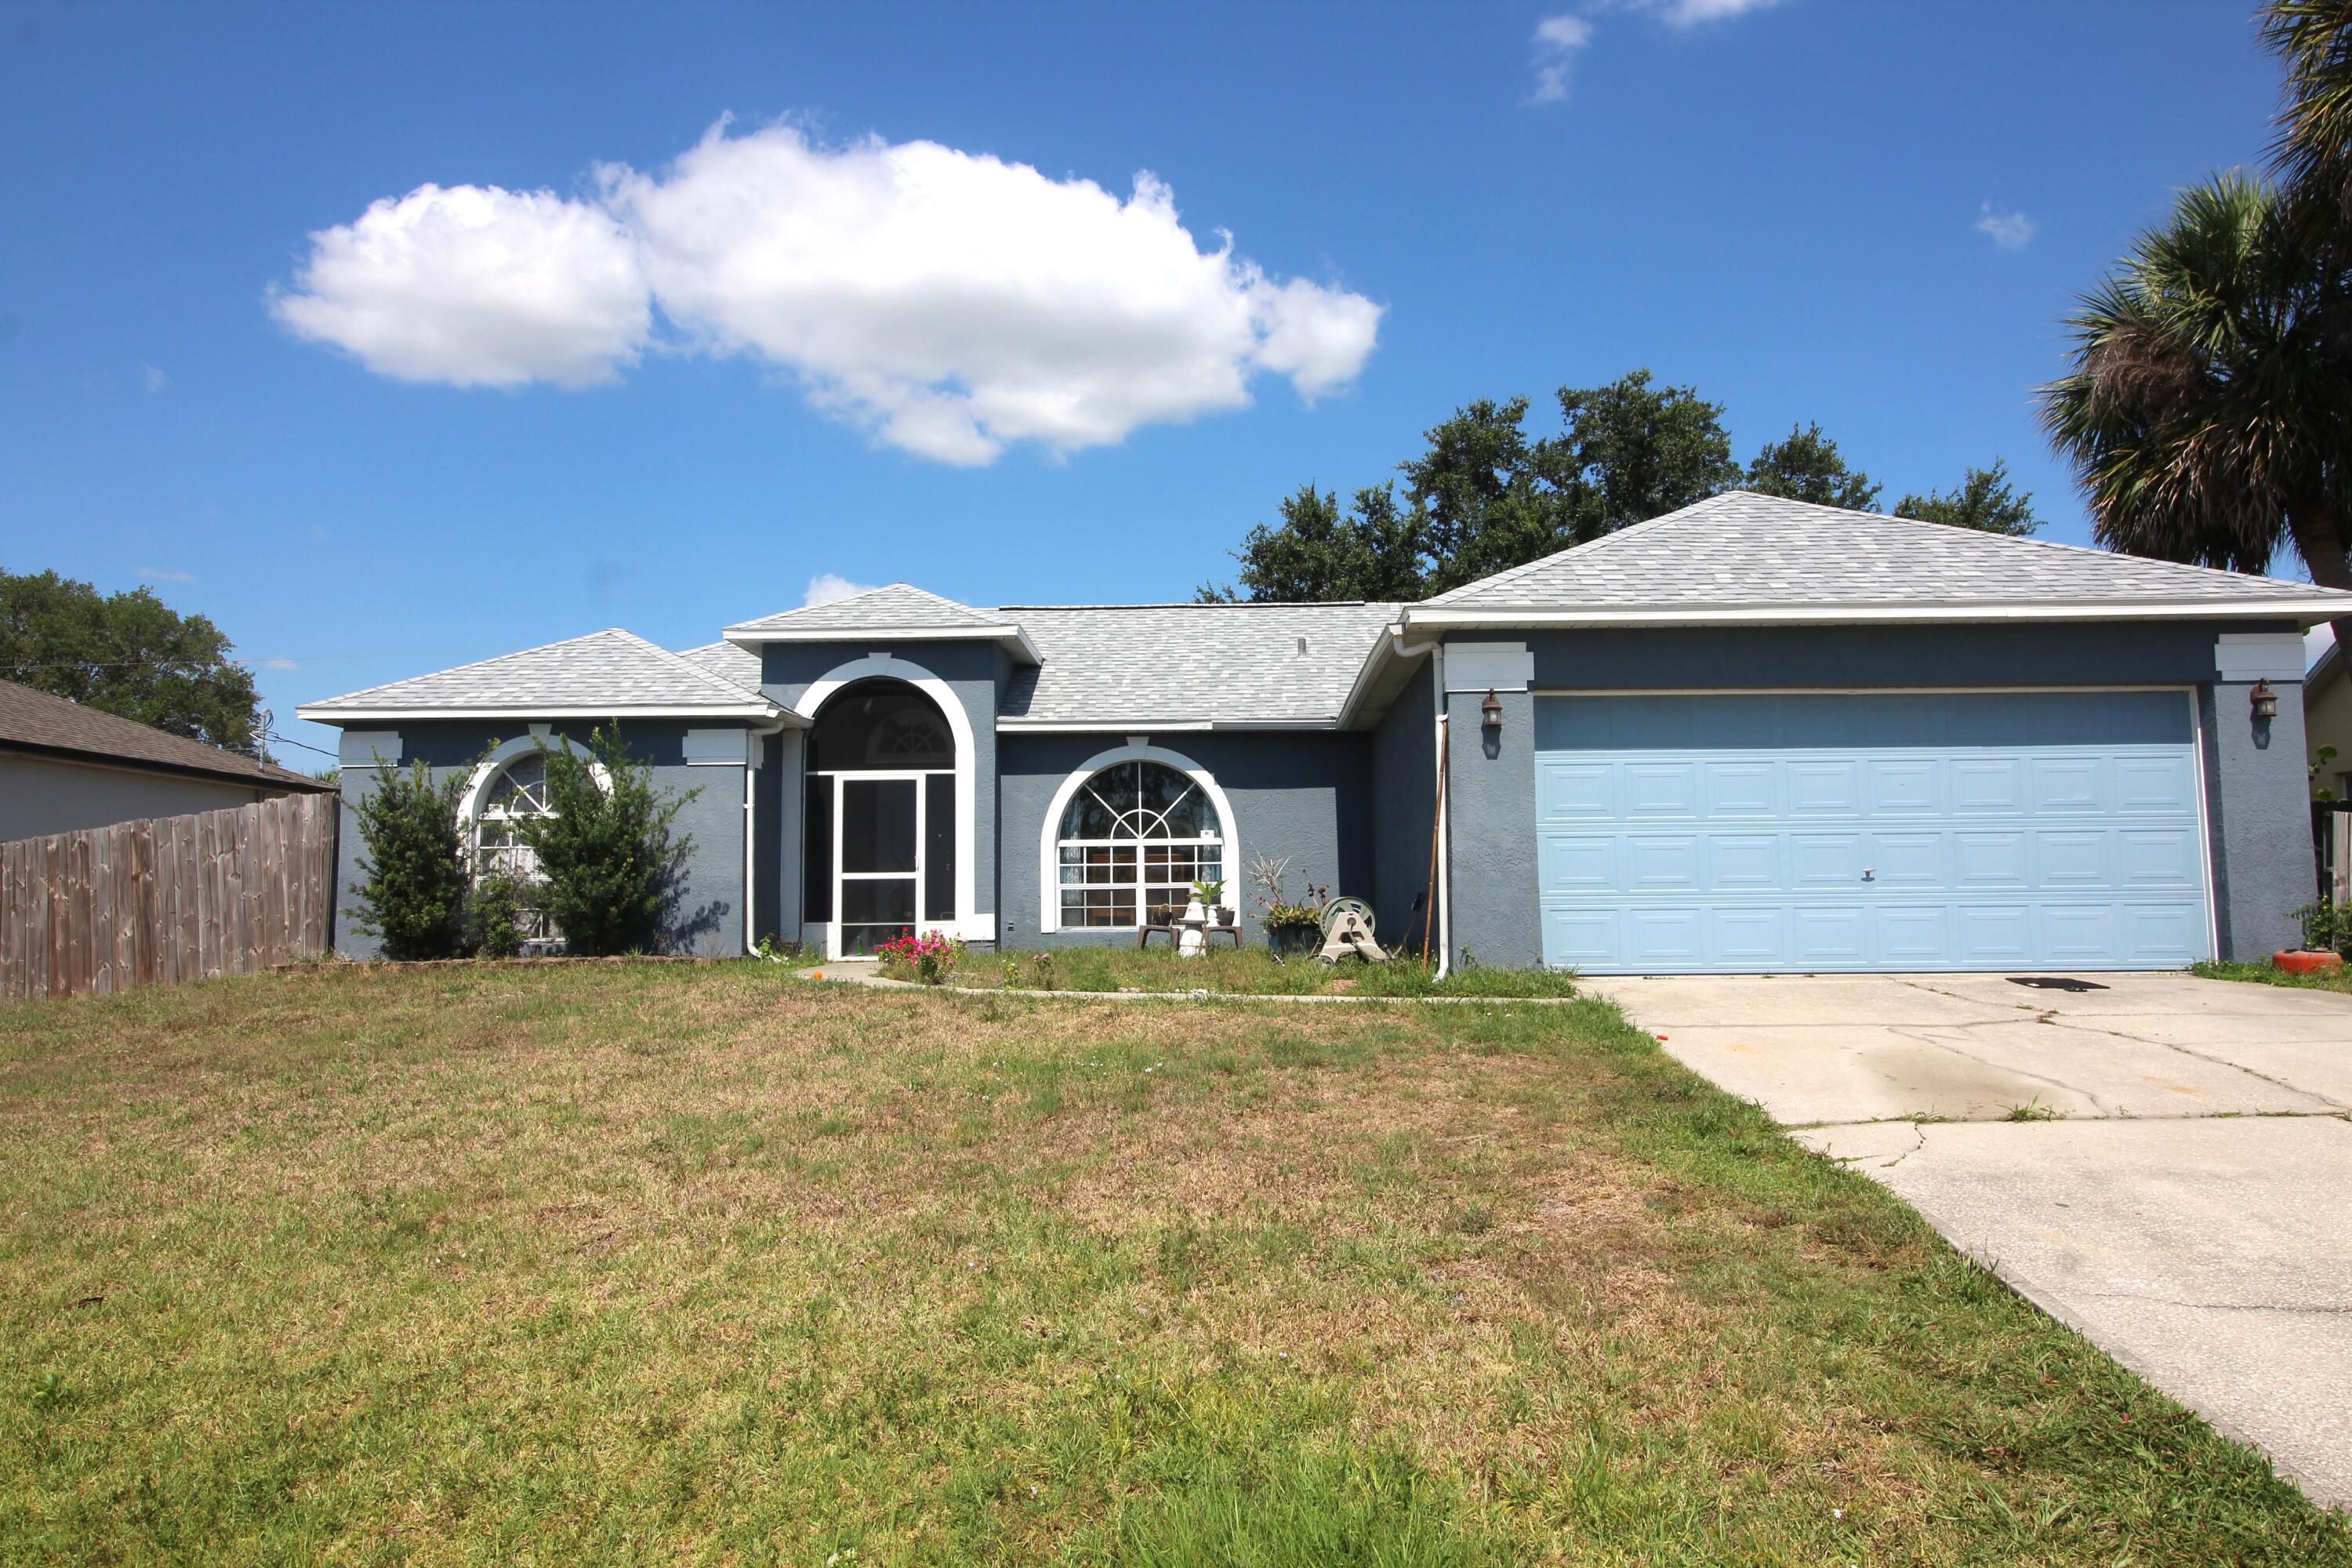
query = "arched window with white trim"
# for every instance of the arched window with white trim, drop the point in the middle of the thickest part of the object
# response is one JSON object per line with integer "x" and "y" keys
{"x": 516, "y": 791}
{"x": 509, "y": 786}
{"x": 1132, "y": 840}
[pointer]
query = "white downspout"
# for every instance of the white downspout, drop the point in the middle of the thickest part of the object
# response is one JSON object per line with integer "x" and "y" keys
{"x": 1438, "y": 890}
{"x": 750, "y": 853}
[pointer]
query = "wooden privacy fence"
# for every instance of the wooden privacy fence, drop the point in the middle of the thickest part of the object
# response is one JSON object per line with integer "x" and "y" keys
{"x": 2331, "y": 843}
{"x": 166, "y": 899}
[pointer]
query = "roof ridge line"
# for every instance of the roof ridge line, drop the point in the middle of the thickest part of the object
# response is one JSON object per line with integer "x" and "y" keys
{"x": 782, "y": 616}
{"x": 1219, "y": 604}
{"x": 680, "y": 661}
{"x": 2097, "y": 552}
{"x": 1590, "y": 545}
{"x": 469, "y": 663}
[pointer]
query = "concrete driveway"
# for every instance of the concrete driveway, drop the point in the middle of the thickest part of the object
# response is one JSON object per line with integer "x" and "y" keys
{"x": 2161, "y": 1162}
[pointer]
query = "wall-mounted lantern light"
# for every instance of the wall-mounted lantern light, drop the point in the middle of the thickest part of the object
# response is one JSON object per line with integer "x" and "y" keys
{"x": 1490, "y": 713}
{"x": 2265, "y": 700}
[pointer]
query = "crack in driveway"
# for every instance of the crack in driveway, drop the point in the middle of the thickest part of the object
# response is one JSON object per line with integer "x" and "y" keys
{"x": 2155, "y": 1238}
{"x": 2056, "y": 1016}
{"x": 2273, "y": 1081}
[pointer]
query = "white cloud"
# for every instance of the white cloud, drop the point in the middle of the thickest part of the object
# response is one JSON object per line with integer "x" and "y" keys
{"x": 1557, "y": 41}
{"x": 164, "y": 575}
{"x": 475, "y": 286}
{"x": 949, "y": 302}
{"x": 828, "y": 586}
{"x": 285, "y": 664}
{"x": 150, "y": 378}
{"x": 2010, "y": 231}
{"x": 1693, "y": 13}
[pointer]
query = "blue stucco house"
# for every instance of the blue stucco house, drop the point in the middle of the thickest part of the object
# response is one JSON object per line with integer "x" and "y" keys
{"x": 1752, "y": 735}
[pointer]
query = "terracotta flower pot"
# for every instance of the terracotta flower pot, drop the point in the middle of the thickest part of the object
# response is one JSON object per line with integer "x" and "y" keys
{"x": 2302, "y": 961}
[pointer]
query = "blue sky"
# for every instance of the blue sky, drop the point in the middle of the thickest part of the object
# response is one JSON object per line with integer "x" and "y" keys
{"x": 1869, "y": 214}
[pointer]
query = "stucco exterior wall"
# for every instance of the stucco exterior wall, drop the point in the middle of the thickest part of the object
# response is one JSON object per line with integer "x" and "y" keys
{"x": 41, "y": 796}
{"x": 1868, "y": 658}
{"x": 1491, "y": 831}
{"x": 1404, "y": 792}
{"x": 776, "y": 901}
{"x": 2258, "y": 811}
{"x": 2255, "y": 783}
{"x": 710, "y": 914}
{"x": 1306, "y": 795}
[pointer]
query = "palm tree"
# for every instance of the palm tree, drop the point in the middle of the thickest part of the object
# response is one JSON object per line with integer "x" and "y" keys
{"x": 2208, "y": 410}
{"x": 2205, "y": 413}
{"x": 2313, "y": 150}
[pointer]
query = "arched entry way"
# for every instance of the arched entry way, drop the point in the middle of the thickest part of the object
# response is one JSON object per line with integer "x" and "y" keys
{"x": 881, "y": 813}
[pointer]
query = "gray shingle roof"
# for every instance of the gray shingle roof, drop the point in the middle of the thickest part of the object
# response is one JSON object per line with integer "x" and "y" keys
{"x": 897, "y": 607}
{"x": 736, "y": 666}
{"x": 1188, "y": 663}
{"x": 49, "y": 723}
{"x": 606, "y": 672}
{"x": 1744, "y": 549}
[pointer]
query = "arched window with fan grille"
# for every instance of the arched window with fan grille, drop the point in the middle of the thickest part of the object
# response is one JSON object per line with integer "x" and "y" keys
{"x": 1132, "y": 840}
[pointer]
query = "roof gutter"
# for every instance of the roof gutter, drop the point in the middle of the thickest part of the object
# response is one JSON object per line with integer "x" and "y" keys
{"x": 1390, "y": 643}
{"x": 1012, "y": 638}
{"x": 509, "y": 713}
{"x": 1157, "y": 726}
{"x": 2307, "y": 610}
{"x": 290, "y": 780}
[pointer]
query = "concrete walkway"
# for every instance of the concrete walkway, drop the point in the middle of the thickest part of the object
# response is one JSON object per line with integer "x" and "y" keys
{"x": 2161, "y": 1162}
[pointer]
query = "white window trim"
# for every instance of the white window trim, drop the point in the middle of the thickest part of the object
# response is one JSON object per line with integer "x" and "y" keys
{"x": 967, "y": 923}
{"x": 491, "y": 767}
{"x": 1049, "y": 856}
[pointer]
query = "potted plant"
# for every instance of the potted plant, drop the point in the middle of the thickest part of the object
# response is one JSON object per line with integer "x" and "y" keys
{"x": 1211, "y": 892}
{"x": 1293, "y": 926}
{"x": 2325, "y": 931}
{"x": 1291, "y": 929}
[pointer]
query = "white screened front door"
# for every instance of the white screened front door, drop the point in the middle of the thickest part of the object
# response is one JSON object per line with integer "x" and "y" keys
{"x": 892, "y": 876}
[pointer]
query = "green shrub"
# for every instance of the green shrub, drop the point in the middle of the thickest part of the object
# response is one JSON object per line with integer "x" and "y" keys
{"x": 413, "y": 898}
{"x": 2325, "y": 928}
{"x": 609, "y": 863}
{"x": 498, "y": 916}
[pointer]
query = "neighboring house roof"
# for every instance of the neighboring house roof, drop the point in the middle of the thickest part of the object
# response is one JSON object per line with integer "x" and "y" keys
{"x": 1744, "y": 556}
{"x": 898, "y": 611}
{"x": 36, "y": 720}
{"x": 1162, "y": 665}
{"x": 608, "y": 674}
{"x": 2330, "y": 660}
{"x": 737, "y": 666}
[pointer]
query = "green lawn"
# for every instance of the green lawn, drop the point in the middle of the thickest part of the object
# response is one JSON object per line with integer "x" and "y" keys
{"x": 2265, "y": 973}
{"x": 1247, "y": 971}
{"x": 664, "y": 1264}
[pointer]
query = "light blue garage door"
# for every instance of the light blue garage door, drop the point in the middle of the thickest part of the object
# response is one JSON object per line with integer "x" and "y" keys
{"x": 1905, "y": 831}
